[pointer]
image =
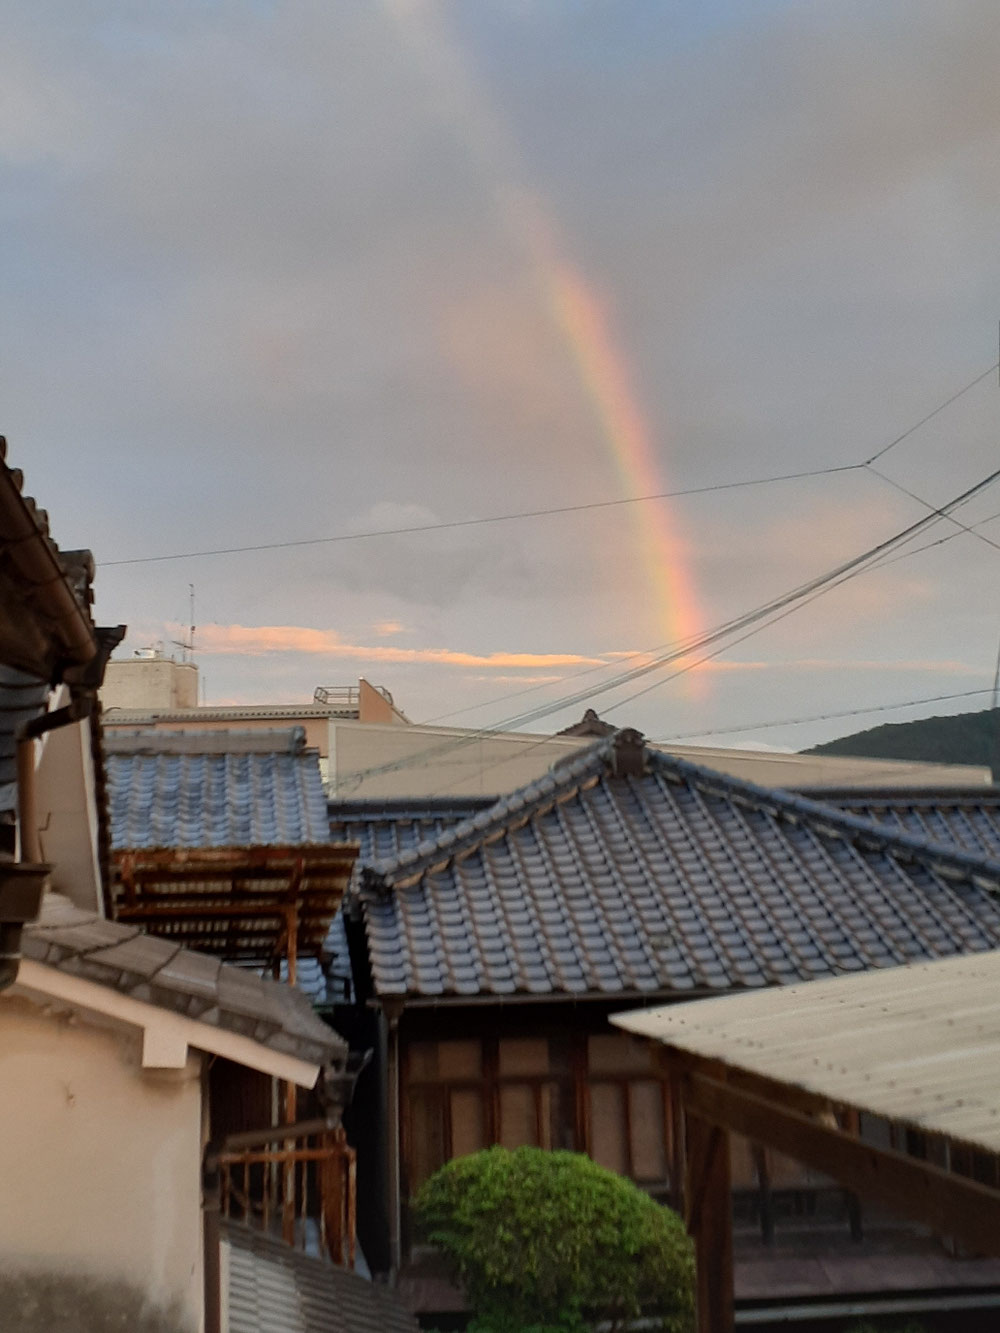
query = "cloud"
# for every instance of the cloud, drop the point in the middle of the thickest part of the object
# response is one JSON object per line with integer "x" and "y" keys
{"x": 257, "y": 640}
{"x": 386, "y": 628}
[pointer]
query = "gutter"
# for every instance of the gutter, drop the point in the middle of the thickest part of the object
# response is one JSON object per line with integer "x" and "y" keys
{"x": 34, "y": 557}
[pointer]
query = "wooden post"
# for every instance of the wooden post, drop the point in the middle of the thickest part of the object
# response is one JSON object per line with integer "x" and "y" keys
{"x": 291, "y": 1091}
{"x": 709, "y": 1221}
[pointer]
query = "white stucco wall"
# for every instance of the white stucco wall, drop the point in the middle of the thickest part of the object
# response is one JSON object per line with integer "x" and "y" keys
{"x": 99, "y": 1164}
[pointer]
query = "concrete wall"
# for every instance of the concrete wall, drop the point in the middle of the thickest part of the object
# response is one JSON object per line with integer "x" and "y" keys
{"x": 369, "y": 760}
{"x": 100, "y": 1164}
{"x": 67, "y": 824}
{"x": 150, "y": 682}
{"x": 429, "y": 761}
{"x": 453, "y": 761}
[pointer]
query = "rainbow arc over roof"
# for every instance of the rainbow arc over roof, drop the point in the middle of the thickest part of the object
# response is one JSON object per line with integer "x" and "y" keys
{"x": 577, "y": 312}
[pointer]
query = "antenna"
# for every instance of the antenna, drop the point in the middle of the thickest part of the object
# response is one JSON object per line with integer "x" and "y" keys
{"x": 187, "y": 645}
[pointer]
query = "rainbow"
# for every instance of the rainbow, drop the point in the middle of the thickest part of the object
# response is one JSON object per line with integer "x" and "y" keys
{"x": 576, "y": 311}
{"x": 606, "y": 381}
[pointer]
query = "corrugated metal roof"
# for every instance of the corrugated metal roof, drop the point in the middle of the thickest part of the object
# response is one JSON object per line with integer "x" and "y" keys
{"x": 966, "y": 819}
{"x": 163, "y": 799}
{"x": 276, "y": 1289}
{"x": 676, "y": 878}
{"x": 918, "y": 1044}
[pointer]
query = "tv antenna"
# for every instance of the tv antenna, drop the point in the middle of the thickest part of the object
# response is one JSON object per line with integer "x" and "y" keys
{"x": 186, "y": 645}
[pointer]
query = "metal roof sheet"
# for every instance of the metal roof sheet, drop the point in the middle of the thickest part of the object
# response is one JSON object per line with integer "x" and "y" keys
{"x": 918, "y": 1044}
{"x": 671, "y": 878}
{"x": 274, "y": 1288}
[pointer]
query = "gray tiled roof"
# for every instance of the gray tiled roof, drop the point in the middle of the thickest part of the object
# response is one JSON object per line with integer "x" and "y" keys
{"x": 276, "y": 1289}
{"x": 159, "y": 972}
{"x": 674, "y": 880}
{"x": 166, "y": 794}
{"x": 384, "y": 829}
{"x": 969, "y": 820}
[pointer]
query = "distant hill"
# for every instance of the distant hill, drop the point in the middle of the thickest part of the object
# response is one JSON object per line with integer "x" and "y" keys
{"x": 963, "y": 738}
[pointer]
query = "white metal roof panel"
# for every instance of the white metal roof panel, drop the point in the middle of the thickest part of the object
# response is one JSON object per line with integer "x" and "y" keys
{"x": 918, "y": 1044}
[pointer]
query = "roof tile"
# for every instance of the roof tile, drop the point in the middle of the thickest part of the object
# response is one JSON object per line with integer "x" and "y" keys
{"x": 746, "y": 887}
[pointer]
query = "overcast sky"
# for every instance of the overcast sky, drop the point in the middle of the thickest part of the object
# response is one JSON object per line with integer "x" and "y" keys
{"x": 274, "y": 272}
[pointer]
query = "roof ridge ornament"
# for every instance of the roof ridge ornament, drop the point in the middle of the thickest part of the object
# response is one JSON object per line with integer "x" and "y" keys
{"x": 628, "y": 757}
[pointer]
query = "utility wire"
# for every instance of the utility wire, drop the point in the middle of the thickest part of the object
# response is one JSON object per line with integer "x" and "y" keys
{"x": 769, "y": 612}
{"x": 489, "y": 518}
{"x": 931, "y": 415}
{"x": 881, "y": 563}
{"x": 553, "y": 510}
{"x": 934, "y": 515}
{"x": 820, "y": 717}
{"x": 784, "y": 606}
{"x": 927, "y": 505}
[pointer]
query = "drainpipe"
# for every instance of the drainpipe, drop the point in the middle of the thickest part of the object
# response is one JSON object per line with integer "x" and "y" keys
{"x": 27, "y": 809}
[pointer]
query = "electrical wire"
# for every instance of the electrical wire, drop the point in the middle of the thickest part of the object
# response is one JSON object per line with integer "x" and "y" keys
{"x": 477, "y": 522}
{"x": 553, "y": 510}
{"x": 776, "y": 609}
{"x": 821, "y": 717}
{"x": 927, "y": 505}
{"x": 931, "y": 415}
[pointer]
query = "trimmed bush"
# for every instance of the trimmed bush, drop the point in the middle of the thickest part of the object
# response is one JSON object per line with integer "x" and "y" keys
{"x": 549, "y": 1242}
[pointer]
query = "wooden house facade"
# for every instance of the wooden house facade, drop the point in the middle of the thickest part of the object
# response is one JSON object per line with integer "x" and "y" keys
{"x": 495, "y": 950}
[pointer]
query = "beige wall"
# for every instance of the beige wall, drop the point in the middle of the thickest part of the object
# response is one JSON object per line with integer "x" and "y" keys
{"x": 421, "y": 761}
{"x": 373, "y": 706}
{"x": 430, "y": 761}
{"x": 368, "y": 760}
{"x": 150, "y": 682}
{"x": 67, "y": 825}
{"x": 100, "y": 1170}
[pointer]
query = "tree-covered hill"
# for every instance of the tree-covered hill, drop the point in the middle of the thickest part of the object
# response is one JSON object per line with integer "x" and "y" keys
{"x": 963, "y": 738}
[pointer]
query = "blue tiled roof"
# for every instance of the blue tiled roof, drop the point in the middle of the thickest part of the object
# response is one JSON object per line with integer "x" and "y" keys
{"x": 967, "y": 819}
{"x": 384, "y": 829}
{"x": 166, "y": 792}
{"x": 598, "y": 880}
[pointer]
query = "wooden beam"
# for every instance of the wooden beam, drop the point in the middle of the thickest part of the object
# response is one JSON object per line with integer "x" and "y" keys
{"x": 950, "y": 1204}
{"x": 709, "y": 1221}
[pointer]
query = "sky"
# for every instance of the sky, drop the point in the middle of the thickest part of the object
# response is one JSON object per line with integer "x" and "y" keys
{"x": 283, "y": 272}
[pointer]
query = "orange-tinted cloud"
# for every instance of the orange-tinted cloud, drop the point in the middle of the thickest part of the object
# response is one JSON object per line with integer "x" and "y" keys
{"x": 256, "y": 640}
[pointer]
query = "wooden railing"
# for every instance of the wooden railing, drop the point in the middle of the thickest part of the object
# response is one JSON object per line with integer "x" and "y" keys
{"x": 302, "y": 1190}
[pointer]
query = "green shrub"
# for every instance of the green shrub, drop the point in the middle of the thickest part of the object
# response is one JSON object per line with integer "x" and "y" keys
{"x": 544, "y": 1242}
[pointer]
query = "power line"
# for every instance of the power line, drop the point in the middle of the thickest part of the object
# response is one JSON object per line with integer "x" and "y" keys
{"x": 552, "y": 510}
{"x": 881, "y": 563}
{"x": 927, "y": 505}
{"x": 784, "y": 606}
{"x": 931, "y": 415}
{"x": 477, "y": 522}
{"x": 752, "y": 622}
{"x": 822, "y": 717}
